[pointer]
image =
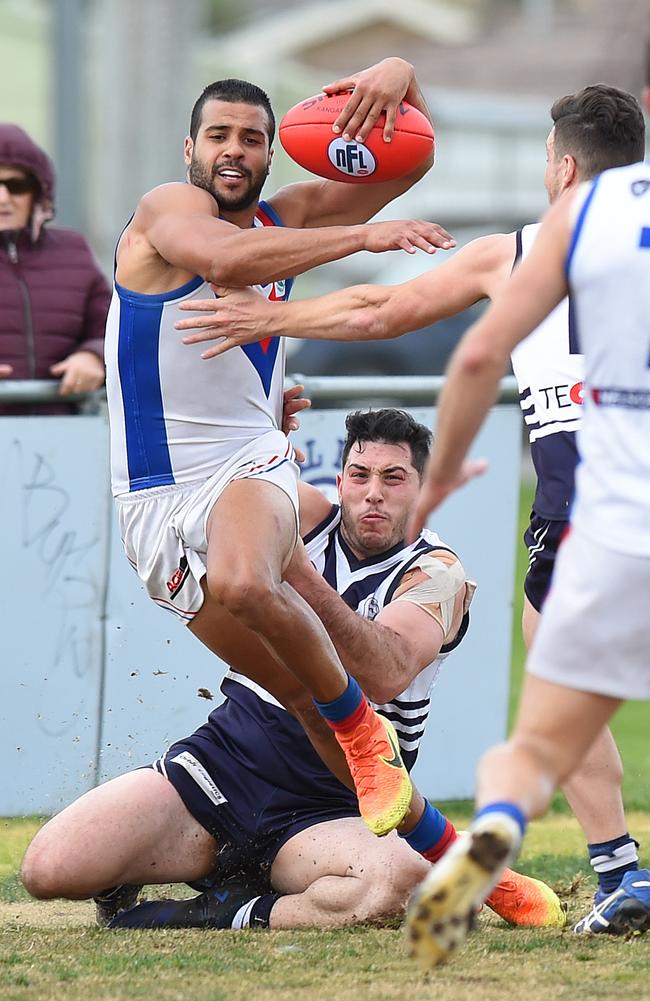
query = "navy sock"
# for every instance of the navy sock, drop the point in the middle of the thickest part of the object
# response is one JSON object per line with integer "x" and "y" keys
{"x": 256, "y": 913}
{"x": 612, "y": 859}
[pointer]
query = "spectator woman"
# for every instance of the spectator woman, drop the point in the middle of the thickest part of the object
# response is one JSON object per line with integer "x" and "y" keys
{"x": 53, "y": 296}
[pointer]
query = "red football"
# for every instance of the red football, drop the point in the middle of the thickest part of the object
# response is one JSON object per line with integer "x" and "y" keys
{"x": 306, "y": 134}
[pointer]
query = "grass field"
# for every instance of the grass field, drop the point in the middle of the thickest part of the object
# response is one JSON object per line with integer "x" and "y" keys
{"x": 53, "y": 950}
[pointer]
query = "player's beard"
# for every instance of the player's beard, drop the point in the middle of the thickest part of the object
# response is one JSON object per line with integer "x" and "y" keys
{"x": 204, "y": 177}
{"x": 367, "y": 542}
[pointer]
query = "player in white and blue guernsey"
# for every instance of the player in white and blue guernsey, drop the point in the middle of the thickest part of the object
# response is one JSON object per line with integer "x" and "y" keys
{"x": 247, "y": 795}
{"x": 591, "y": 650}
{"x": 596, "y": 128}
{"x": 204, "y": 480}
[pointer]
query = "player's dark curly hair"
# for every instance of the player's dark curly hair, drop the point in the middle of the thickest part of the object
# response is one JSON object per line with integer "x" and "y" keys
{"x": 601, "y": 127}
{"x": 393, "y": 426}
{"x": 234, "y": 92}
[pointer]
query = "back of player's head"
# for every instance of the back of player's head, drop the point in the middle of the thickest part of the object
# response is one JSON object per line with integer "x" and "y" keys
{"x": 600, "y": 127}
{"x": 388, "y": 425}
{"x": 233, "y": 92}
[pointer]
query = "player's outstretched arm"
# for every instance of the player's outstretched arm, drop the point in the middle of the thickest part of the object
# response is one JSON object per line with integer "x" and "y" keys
{"x": 362, "y": 312}
{"x": 378, "y": 89}
{"x": 184, "y": 230}
{"x": 480, "y": 360}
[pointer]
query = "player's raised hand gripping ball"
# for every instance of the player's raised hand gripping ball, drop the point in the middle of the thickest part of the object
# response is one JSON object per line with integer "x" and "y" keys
{"x": 306, "y": 134}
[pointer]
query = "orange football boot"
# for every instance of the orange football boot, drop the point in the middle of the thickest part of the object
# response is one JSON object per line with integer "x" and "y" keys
{"x": 527, "y": 902}
{"x": 381, "y": 781}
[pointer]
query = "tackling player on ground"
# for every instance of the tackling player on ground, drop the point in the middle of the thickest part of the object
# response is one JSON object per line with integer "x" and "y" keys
{"x": 244, "y": 804}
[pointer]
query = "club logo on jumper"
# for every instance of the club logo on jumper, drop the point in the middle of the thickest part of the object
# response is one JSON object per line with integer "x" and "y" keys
{"x": 178, "y": 578}
{"x": 352, "y": 159}
{"x": 372, "y": 609}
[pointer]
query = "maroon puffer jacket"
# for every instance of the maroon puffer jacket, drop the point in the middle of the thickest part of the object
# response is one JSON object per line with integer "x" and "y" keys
{"x": 53, "y": 296}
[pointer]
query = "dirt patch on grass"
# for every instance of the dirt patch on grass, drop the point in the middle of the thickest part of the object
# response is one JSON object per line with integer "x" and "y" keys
{"x": 47, "y": 914}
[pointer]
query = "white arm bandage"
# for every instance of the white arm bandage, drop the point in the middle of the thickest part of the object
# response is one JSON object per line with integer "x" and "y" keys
{"x": 437, "y": 594}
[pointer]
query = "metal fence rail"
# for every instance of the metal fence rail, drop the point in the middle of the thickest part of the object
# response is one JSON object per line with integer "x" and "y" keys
{"x": 405, "y": 388}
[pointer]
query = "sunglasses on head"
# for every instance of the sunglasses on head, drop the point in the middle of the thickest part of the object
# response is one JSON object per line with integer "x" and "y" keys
{"x": 18, "y": 185}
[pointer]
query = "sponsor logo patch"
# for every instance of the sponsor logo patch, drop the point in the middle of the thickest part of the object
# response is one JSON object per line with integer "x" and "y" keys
{"x": 178, "y": 578}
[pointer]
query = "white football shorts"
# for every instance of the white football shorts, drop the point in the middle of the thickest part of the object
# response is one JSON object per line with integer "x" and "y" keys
{"x": 164, "y": 529}
{"x": 594, "y": 633}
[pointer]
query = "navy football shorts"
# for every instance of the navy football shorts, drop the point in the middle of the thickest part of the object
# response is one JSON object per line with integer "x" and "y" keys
{"x": 253, "y": 781}
{"x": 542, "y": 538}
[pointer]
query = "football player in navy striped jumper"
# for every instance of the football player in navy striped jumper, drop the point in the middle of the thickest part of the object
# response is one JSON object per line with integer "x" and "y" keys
{"x": 246, "y": 796}
{"x": 597, "y": 128}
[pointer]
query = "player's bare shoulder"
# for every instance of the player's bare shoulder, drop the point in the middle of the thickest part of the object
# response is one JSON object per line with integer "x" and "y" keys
{"x": 176, "y": 198}
{"x": 292, "y": 202}
{"x": 494, "y": 257}
{"x": 436, "y": 583}
{"x": 140, "y": 266}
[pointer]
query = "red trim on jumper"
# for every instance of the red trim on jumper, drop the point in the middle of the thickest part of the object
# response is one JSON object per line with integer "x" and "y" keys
{"x": 263, "y": 217}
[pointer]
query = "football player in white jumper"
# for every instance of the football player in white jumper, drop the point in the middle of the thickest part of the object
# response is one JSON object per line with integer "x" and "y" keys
{"x": 591, "y": 650}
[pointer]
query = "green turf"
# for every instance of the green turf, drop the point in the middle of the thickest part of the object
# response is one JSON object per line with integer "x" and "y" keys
{"x": 52, "y": 950}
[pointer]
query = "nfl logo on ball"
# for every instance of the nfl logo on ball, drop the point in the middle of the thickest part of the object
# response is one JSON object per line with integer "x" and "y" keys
{"x": 351, "y": 159}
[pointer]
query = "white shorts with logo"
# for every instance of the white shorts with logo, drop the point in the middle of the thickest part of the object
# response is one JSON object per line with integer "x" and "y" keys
{"x": 164, "y": 529}
{"x": 594, "y": 633}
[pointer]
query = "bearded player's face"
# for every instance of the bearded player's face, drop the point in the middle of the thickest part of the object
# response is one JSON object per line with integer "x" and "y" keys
{"x": 378, "y": 489}
{"x": 230, "y": 157}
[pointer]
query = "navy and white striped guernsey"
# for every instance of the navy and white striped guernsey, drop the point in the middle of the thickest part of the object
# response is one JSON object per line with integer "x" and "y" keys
{"x": 549, "y": 369}
{"x": 366, "y": 586}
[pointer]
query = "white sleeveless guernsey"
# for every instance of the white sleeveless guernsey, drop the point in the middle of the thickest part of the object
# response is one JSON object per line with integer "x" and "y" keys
{"x": 175, "y": 418}
{"x": 549, "y": 370}
{"x": 608, "y": 267}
